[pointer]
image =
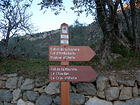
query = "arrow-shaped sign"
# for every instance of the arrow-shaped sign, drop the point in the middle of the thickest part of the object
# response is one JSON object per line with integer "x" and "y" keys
{"x": 70, "y": 53}
{"x": 71, "y": 73}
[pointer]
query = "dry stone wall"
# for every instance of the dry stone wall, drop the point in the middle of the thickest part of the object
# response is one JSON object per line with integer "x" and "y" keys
{"x": 104, "y": 90}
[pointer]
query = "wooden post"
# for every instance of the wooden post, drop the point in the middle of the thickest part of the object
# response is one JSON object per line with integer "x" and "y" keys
{"x": 64, "y": 41}
{"x": 65, "y": 100}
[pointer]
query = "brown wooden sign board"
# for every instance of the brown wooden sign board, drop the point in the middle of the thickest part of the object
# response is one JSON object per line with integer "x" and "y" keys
{"x": 71, "y": 73}
{"x": 70, "y": 53}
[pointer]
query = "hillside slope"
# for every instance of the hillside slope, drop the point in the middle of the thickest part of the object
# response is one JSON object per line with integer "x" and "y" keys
{"x": 36, "y": 45}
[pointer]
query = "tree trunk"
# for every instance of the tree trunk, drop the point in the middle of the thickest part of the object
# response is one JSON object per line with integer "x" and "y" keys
{"x": 134, "y": 25}
{"x": 106, "y": 48}
{"x": 126, "y": 18}
{"x": 6, "y": 42}
{"x": 119, "y": 35}
{"x": 106, "y": 27}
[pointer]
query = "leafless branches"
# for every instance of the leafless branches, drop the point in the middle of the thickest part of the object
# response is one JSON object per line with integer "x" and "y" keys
{"x": 14, "y": 19}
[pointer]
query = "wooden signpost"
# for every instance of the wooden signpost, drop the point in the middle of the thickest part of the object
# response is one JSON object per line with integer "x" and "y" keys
{"x": 64, "y": 41}
{"x": 66, "y": 73}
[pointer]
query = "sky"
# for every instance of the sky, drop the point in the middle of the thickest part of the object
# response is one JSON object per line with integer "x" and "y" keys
{"x": 49, "y": 21}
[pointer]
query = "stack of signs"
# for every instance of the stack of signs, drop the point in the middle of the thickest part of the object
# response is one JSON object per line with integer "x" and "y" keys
{"x": 66, "y": 53}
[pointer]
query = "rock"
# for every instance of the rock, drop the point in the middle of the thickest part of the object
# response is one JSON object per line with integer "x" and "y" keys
{"x": 1, "y": 103}
{"x": 102, "y": 83}
{"x": 44, "y": 100}
{"x": 135, "y": 91}
{"x": 119, "y": 103}
{"x": 121, "y": 87}
{"x": 11, "y": 75}
{"x": 2, "y": 84}
{"x": 113, "y": 81}
{"x": 73, "y": 89}
{"x": 128, "y": 83}
{"x": 53, "y": 88}
{"x": 135, "y": 101}
{"x": 57, "y": 100}
{"x": 21, "y": 102}
{"x": 112, "y": 93}
{"x": 29, "y": 103}
{"x": 76, "y": 99}
{"x": 126, "y": 93}
{"x": 31, "y": 95}
{"x": 16, "y": 94}
{"x": 5, "y": 103}
{"x": 86, "y": 89}
{"x": 28, "y": 84}
{"x": 40, "y": 82}
{"x": 116, "y": 56}
{"x": 139, "y": 91}
{"x": 138, "y": 78}
{"x": 24, "y": 97}
{"x": 11, "y": 83}
{"x": 40, "y": 90}
{"x": 96, "y": 101}
{"x": 20, "y": 81}
{"x": 5, "y": 95}
{"x": 3, "y": 78}
{"x": 101, "y": 94}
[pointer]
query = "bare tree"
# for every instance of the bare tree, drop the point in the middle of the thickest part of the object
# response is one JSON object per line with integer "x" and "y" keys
{"x": 14, "y": 19}
{"x": 134, "y": 25}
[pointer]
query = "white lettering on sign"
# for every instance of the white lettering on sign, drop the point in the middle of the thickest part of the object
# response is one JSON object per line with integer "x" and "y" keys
{"x": 62, "y": 73}
{"x": 59, "y": 78}
{"x": 62, "y": 53}
{"x": 62, "y": 58}
{"x": 64, "y": 36}
{"x": 64, "y": 42}
{"x": 64, "y": 78}
{"x": 70, "y": 78}
{"x": 65, "y": 49}
{"x": 68, "y": 57}
{"x": 55, "y": 57}
{"x": 52, "y": 78}
{"x": 63, "y": 69}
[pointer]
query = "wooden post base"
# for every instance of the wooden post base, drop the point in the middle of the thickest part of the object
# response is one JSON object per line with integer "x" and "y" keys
{"x": 65, "y": 93}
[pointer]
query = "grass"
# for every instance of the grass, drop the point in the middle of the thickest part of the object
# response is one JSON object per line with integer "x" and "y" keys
{"x": 30, "y": 67}
{"x": 126, "y": 63}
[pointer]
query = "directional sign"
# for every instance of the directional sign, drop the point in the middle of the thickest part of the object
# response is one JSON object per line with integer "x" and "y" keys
{"x": 70, "y": 53}
{"x": 71, "y": 73}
